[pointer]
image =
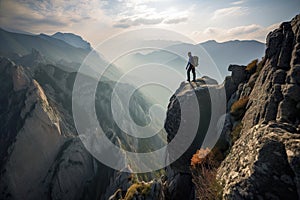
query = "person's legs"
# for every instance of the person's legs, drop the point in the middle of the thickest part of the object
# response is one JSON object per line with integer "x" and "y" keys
{"x": 188, "y": 73}
{"x": 194, "y": 73}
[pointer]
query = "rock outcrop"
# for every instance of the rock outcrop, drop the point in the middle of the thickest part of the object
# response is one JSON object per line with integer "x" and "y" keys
{"x": 212, "y": 103}
{"x": 264, "y": 161}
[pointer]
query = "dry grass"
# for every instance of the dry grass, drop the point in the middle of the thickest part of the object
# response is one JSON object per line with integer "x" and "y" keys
{"x": 238, "y": 108}
{"x": 204, "y": 168}
{"x": 251, "y": 67}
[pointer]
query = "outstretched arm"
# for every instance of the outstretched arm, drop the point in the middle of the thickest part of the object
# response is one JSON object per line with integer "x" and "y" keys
{"x": 187, "y": 65}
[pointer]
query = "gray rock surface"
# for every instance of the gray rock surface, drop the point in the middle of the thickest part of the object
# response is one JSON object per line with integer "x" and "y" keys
{"x": 264, "y": 162}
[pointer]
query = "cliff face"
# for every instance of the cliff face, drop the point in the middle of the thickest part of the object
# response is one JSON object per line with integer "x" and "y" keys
{"x": 212, "y": 103}
{"x": 264, "y": 162}
{"x": 39, "y": 159}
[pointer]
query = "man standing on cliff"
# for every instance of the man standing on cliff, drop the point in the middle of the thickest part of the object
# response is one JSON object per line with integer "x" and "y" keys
{"x": 190, "y": 66}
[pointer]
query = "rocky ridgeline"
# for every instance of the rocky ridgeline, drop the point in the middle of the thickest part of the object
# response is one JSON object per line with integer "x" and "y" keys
{"x": 264, "y": 162}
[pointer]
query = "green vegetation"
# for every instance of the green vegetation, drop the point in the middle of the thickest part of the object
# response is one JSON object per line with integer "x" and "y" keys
{"x": 238, "y": 108}
{"x": 252, "y": 66}
{"x": 140, "y": 188}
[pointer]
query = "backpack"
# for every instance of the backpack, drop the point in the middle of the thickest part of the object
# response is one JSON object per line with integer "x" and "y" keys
{"x": 195, "y": 59}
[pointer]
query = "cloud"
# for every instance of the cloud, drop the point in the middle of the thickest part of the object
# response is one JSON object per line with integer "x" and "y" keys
{"x": 249, "y": 32}
{"x": 175, "y": 20}
{"x": 244, "y": 29}
{"x": 230, "y": 12}
{"x": 47, "y": 15}
{"x": 120, "y": 25}
{"x": 237, "y": 2}
{"x": 128, "y": 22}
{"x": 128, "y": 13}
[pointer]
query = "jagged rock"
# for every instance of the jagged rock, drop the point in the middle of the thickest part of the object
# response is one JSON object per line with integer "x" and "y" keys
{"x": 238, "y": 76}
{"x": 119, "y": 181}
{"x": 181, "y": 187}
{"x": 287, "y": 46}
{"x": 36, "y": 160}
{"x": 10, "y": 107}
{"x": 264, "y": 162}
{"x": 268, "y": 101}
{"x": 72, "y": 169}
{"x": 39, "y": 141}
{"x": 291, "y": 91}
{"x": 279, "y": 76}
{"x": 20, "y": 80}
{"x": 238, "y": 73}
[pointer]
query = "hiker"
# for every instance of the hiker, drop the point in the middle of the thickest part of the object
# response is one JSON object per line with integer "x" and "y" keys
{"x": 190, "y": 66}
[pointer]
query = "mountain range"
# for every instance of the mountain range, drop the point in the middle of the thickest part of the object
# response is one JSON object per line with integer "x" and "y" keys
{"x": 214, "y": 57}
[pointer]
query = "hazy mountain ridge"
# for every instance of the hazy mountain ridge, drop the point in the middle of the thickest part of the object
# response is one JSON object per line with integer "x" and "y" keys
{"x": 214, "y": 57}
{"x": 54, "y": 49}
{"x": 72, "y": 39}
{"x": 234, "y": 52}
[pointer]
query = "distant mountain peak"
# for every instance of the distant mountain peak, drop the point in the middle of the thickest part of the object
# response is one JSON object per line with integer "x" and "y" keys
{"x": 229, "y": 41}
{"x": 73, "y": 39}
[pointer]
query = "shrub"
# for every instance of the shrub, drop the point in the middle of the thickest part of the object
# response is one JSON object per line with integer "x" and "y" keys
{"x": 238, "y": 108}
{"x": 204, "y": 168}
{"x": 140, "y": 188}
{"x": 199, "y": 156}
{"x": 251, "y": 67}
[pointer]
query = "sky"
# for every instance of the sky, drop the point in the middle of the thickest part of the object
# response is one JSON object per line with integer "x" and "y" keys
{"x": 200, "y": 20}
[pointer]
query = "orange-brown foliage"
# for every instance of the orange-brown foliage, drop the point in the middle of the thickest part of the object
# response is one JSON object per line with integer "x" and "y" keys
{"x": 239, "y": 105}
{"x": 199, "y": 156}
{"x": 252, "y": 65}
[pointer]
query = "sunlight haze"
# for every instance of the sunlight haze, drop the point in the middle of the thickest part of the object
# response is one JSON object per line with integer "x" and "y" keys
{"x": 201, "y": 20}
